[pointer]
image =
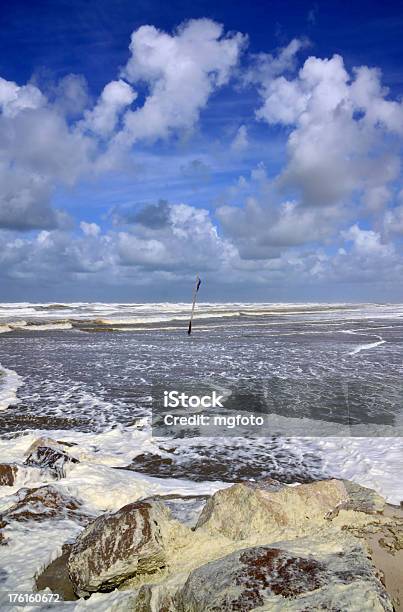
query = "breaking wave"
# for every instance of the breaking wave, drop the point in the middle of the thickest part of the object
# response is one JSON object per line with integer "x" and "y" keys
{"x": 9, "y": 383}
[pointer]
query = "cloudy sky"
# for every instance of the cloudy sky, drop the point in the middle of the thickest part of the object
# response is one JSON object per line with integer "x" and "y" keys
{"x": 256, "y": 143}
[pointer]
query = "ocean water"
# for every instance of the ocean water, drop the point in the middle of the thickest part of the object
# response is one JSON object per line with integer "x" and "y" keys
{"x": 85, "y": 374}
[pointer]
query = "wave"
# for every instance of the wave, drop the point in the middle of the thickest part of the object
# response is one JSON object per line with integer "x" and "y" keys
{"x": 87, "y": 316}
{"x": 366, "y": 347}
{"x": 9, "y": 383}
{"x": 28, "y": 326}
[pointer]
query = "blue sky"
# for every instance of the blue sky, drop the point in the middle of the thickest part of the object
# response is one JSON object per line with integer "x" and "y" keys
{"x": 257, "y": 144}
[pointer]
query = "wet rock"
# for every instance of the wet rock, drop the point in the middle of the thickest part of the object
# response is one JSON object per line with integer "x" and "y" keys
{"x": 50, "y": 458}
{"x": 44, "y": 503}
{"x": 245, "y": 509}
{"x": 64, "y": 443}
{"x": 363, "y": 499}
{"x": 150, "y": 463}
{"x": 8, "y": 473}
{"x": 117, "y": 546}
{"x": 265, "y": 484}
{"x": 276, "y": 578}
{"x": 21, "y": 417}
{"x": 211, "y": 462}
{"x": 3, "y": 539}
{"x": 184, "y": 508}
{"x": 56, "y": 577}
{"x": 42, "y": 441}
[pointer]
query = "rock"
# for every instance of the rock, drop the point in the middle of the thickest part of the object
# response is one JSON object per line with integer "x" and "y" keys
{"x": 65, "y": 443}
{"x": 55, "y": 577}
{"x": 43, "y": 503}
{"x": 277, "y": 578}
{"x": 8, "y": 473}
{"x": 152, "y": 462}
{"x": 50, "y": 458}
{"x": 209, "y": 462}
{"x": 42, "y": 441}
{"x": 3, "y": 539}
{"x": 245, "y": 509}
{"x": 256, "y": 545}
{"x": 184, "y": 508}
{"x": 363, "y": 499}
{"x": 117, "y": 546}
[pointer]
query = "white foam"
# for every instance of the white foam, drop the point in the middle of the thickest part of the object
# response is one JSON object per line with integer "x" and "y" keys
{"x": 9, "y": 383}
{"x": 376, "y": 463}
{"x": 28, "y": 552}
{"x": 366, "y": 347}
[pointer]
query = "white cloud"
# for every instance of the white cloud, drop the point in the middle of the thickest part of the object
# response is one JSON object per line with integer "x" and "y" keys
{"x": 14, "y": 98}
{"x": 90, "y": 229}
{"x": 337, "y": 146}
{"x": 367, "y": 242}
{"x": 240, "y": 142}
{"x": 181, "y": 71}
{"x": 115, "y": 97}
{"x": 188, "y": 240}
{"x": 265, "y": 66}
{"x": 393, "y": 219}
{"x": 45, "y": 143}
{"x": 342, "y": 135}
{"x": 376, "y": 198}
{"x": 264, "y": 229}
{"x": 71, "y": 95}
{"x": 38, "y": 152}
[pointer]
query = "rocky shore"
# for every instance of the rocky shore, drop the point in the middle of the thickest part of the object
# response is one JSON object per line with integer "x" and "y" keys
{"x": 255, "y": 545}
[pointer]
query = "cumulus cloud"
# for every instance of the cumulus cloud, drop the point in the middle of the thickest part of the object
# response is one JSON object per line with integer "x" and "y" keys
{"x": 393, "y": 219}
{"x": 337, "y": 146}
{"x": 90, "y": 229}
{"x": 264, "y": 67}
{"x": 367, "y": 242}
{"x": 187, "y": 240}
{"x": 115, "y": 97}
{"x": 14, "y": 98}
{"x": 187, "y": 243}
{"x": 264, "y": 229}
{"x": 181, "y": 71}
{"x": 38, "y": 152}
{"x": 48, "y": 141}
{"x": 332, "y": 208}
{"x": 70, "y": 94}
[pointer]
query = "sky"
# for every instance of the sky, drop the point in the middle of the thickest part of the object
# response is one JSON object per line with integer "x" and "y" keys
{"x": 257, "y": 144}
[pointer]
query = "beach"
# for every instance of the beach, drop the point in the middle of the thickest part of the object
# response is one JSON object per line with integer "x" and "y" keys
{"x": 80, "y": 379}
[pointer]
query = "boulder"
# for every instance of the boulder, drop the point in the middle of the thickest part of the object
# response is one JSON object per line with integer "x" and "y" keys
{"x": 277, "y": 578}
{"x": 118, "y": 546}
{"x": 245, "y": 509}
{"x": 8, "y": 473}
{"x": 363, "y": 499}
{"x": 56, "y": 578}
{"x": 256, "y": 545}
{"x": 184, "y": 508}
{"x": 42, "y": 441}
{"x": 50, "y": 457}
{"x": 44, "y": 503}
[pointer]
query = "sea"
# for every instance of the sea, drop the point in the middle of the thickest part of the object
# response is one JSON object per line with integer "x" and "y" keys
{"x": 325, "y": 377}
